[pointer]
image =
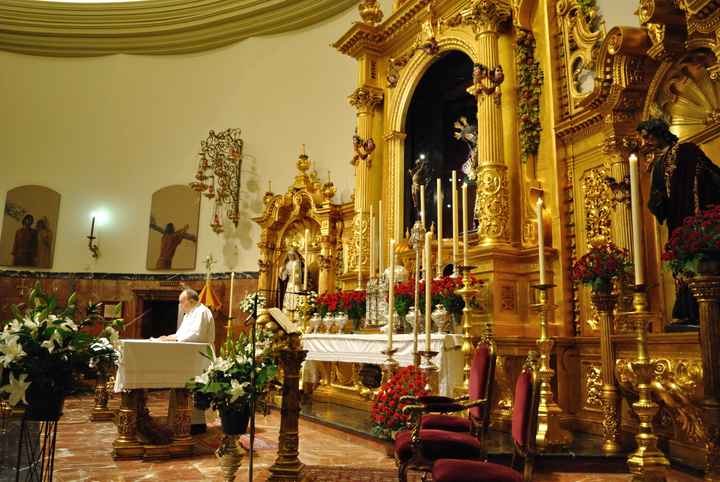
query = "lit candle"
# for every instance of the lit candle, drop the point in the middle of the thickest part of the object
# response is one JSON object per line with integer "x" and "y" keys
{"x": 380, "y": 239}
{"x": 391, "y": 296}
{"x": 465, "y": 224}
{"x": 428, "y": 292}
{"x": 92, "y": 227}
{"x": 372, "y": 242}
{"x": 439, "y": 196}
{"x": 306, "y": 260}
{"x": 422, "y": 204}
{"x": 638, "y": 260}
{"x": 360, "y": 248}
{"x": 456, "y": 226}
{"x": 232, "y": 284}
{"x": 541, "y": 240}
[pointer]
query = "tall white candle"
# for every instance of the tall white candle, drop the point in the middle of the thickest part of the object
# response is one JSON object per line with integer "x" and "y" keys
{"x": 360, "y": 248}
{"x": 638, "y": 257}
{"x": 428, "y": 292}
{"x": 380, "y": 239}
{"x": 541, "y": 240}
{"x": 373, "y": 246}
{"x": 306, "y": 260}
{"x": 232, "y": 285}
{"x": 455, "y": 226}
{"x": 465, "y": 224}
{"x": 391, "y": 296}
{"x": 422, "y": 204}
{"x": 439, "y": 196}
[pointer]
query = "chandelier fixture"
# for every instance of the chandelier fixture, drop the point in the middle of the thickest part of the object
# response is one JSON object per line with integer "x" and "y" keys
{"x": 218, "y": 174}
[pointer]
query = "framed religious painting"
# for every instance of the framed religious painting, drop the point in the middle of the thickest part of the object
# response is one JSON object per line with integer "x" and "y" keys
{"x": 29, "y": 227}
{"x": 173, "y": 228}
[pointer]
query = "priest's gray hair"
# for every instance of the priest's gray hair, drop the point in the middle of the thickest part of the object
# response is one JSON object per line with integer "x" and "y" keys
{"x": 190, "y": 294}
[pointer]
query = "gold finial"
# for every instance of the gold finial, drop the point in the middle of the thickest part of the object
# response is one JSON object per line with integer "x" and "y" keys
{"x": 370, "y": 12}
{"x": 303, "y": 162}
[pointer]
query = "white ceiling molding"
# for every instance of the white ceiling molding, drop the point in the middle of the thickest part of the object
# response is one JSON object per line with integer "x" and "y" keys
{"x": 150, "y": 26}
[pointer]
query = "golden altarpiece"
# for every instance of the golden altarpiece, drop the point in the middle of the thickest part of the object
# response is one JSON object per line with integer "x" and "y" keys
{"x": 591, "y": 88}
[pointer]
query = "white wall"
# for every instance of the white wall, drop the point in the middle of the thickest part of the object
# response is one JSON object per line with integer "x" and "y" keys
{"x": 107, "y": 132}
{"x": 618, "y": 13}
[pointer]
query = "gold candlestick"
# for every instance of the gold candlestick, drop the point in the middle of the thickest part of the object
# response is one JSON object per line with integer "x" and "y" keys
{"x": 430, "y": 370}
{"x": 647, "y": 463}
{"x": 467, "y": 292}
{"x": 549, "y": 432}
{"x": 390, "y": 365}
{"x": 604, "y": 302}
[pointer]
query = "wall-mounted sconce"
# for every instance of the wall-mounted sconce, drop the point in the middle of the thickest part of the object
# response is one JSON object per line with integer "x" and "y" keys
{"x": 94, "y": 250}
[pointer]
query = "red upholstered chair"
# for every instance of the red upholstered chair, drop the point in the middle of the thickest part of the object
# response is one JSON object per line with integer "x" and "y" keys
{"x": 524, "y": 429}
{"x": 433, "y": 432}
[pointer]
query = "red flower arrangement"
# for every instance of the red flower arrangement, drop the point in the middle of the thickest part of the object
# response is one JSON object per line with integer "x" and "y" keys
{"x": 351, "y": 302}
{"x": 599, "y": 266}
{"x": 386, "y": 409}
{"x": 404, "y": 296}
{"x": 696, "y": 240}
{"x": 327, "y": 303}
{"x": 442, "y": 291}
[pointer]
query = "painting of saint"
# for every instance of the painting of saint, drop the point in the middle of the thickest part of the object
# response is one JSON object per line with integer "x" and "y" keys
{"x": 174, "y": 217}
{"x": 29, "y": 223}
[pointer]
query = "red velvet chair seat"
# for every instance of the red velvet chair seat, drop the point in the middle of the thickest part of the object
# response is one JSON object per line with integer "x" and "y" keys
{"x": 452, "y": 423}
{"x": 439, "y": 444}
{"x": 455, "y": 470}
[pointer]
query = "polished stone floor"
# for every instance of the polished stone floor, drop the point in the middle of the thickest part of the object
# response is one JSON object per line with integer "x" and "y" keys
{"x": 83, "y": 454}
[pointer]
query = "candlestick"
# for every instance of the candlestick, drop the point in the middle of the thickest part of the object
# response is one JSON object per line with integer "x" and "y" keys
{"x": 428, "y": 292}
{"x": 230, "y": 305}
{"x": 465, "y": 225}
{"x": 638, "y": 259}
{"x": 306, "y": 260}
{"x": 372, "y": 243}
{"x": 380, "y": 239}
{"x": 455, "y": 221}
{"x": 359, "y": 252}
{"x": 541, "y": 240}
{"x": 422, "y": 204}
{"x": 391, "y": 296}
{"x": 439, "y": 199}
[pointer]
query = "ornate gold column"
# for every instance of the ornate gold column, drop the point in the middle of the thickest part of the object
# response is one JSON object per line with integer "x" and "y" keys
{"x": 126, "y": 445}
{"x": 492, "y": 206}
{"x": 707, "y": 292}
{"x": 179, "y": 419}
{"x": 394, "y": 145}
{"x": 605, "y": 303}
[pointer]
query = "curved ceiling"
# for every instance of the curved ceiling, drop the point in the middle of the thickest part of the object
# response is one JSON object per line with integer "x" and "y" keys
{"x": 150, "y": 26}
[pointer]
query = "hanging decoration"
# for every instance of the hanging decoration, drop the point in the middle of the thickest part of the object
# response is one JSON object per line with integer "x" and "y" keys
{"x": 218, "y": 175}
{"x": 530, "y": 79}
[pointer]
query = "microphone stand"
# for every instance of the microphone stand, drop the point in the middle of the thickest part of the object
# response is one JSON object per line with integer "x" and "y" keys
{"x": 253, "y": 395}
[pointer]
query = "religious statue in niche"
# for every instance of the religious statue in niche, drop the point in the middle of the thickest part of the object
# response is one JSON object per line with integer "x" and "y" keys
{"x": 683, "y": 181}
{"x": 467, "y": 133}
{"x": 291, "y": 282}
{"x": 29, "y": 226}
{"x": 418, "y": 175}
{"x": 174, "y": 217}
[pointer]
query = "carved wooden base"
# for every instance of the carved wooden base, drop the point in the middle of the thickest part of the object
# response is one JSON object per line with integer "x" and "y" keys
{"x": 101, "y": 412}
{"x": 127, "y": 445}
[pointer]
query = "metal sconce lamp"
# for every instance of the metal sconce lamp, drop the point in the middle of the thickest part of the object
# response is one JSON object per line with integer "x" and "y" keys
{"x": 93, "y": 247}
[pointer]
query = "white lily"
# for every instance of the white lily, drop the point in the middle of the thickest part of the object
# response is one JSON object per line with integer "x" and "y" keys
{"x": 50, "y": 343}
{"x": 17, "y": 389}
{"x": 12, "y": 350}
{"x": 204, "y": 378}
{"x": 69, "y": 325}
{"x": 237, "y": 390}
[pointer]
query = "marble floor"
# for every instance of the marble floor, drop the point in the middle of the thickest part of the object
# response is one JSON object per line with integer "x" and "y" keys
{"x": 83, "y": 454}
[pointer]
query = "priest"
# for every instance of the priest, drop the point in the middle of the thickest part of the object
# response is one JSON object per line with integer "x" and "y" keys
{"x": 197, "y": 326}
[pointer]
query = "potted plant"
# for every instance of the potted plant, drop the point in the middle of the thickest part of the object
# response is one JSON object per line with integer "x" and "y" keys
{"x": 41, "y": 350}
{"x": 226, "y": 386}
{"x": 386, "y": 410}
{"x": 694, "y": 246}
{"x": 600, "y": 266}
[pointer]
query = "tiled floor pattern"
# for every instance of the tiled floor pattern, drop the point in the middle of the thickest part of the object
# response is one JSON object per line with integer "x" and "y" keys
{"x": 83, "y": 454}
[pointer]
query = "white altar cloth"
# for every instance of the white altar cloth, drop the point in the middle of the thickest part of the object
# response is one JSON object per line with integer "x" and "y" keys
{"x": 158, "y": 364}
{"x": 362, "y": 348}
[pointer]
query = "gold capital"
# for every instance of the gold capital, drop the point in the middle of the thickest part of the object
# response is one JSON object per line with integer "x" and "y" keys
{"x": 365, "y": 98}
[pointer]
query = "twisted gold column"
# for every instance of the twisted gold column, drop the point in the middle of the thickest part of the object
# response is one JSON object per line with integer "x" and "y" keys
{"x": 604, "y": 304}
{"x": 706, "y": 290}
{"x": 549, "y": 432}
{"x": 647, "y": 463}
{"x": 467, "y": 292}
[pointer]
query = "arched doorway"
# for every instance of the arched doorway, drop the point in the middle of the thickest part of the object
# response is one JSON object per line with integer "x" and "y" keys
{"x": 440, "y": 99}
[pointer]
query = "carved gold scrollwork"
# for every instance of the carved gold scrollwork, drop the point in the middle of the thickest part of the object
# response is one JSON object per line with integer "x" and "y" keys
{"x": 360, "y": 232}
{"x": 483, "y": 16}
{"x": 582, "y": 32}
{"x": 593, "y": 387}
{"x": 365, "y": 98}
{"x": 492, "y": 207}
{"x": 598, "y": 203}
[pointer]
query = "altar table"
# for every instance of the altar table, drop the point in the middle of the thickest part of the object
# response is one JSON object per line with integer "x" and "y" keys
{"x": 147, "y": 364}
{"x": 367, "y": 348}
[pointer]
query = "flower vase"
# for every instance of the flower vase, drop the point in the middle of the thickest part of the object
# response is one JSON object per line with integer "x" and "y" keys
{"x": 315, "y": 323}
{"x": 440, "y": 317}
{"x": 235, "y": 422}
{"x": 44, "y": 404}
{"x": 328, "y": 321}
{"x": 410, "y": 319}
{"x": 341, "y": 320}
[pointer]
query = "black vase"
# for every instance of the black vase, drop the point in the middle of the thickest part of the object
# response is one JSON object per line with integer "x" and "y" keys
{"x": 235, "y": 422}
{"x": 201, "y": 401}
{"x": 44, "y": 404}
